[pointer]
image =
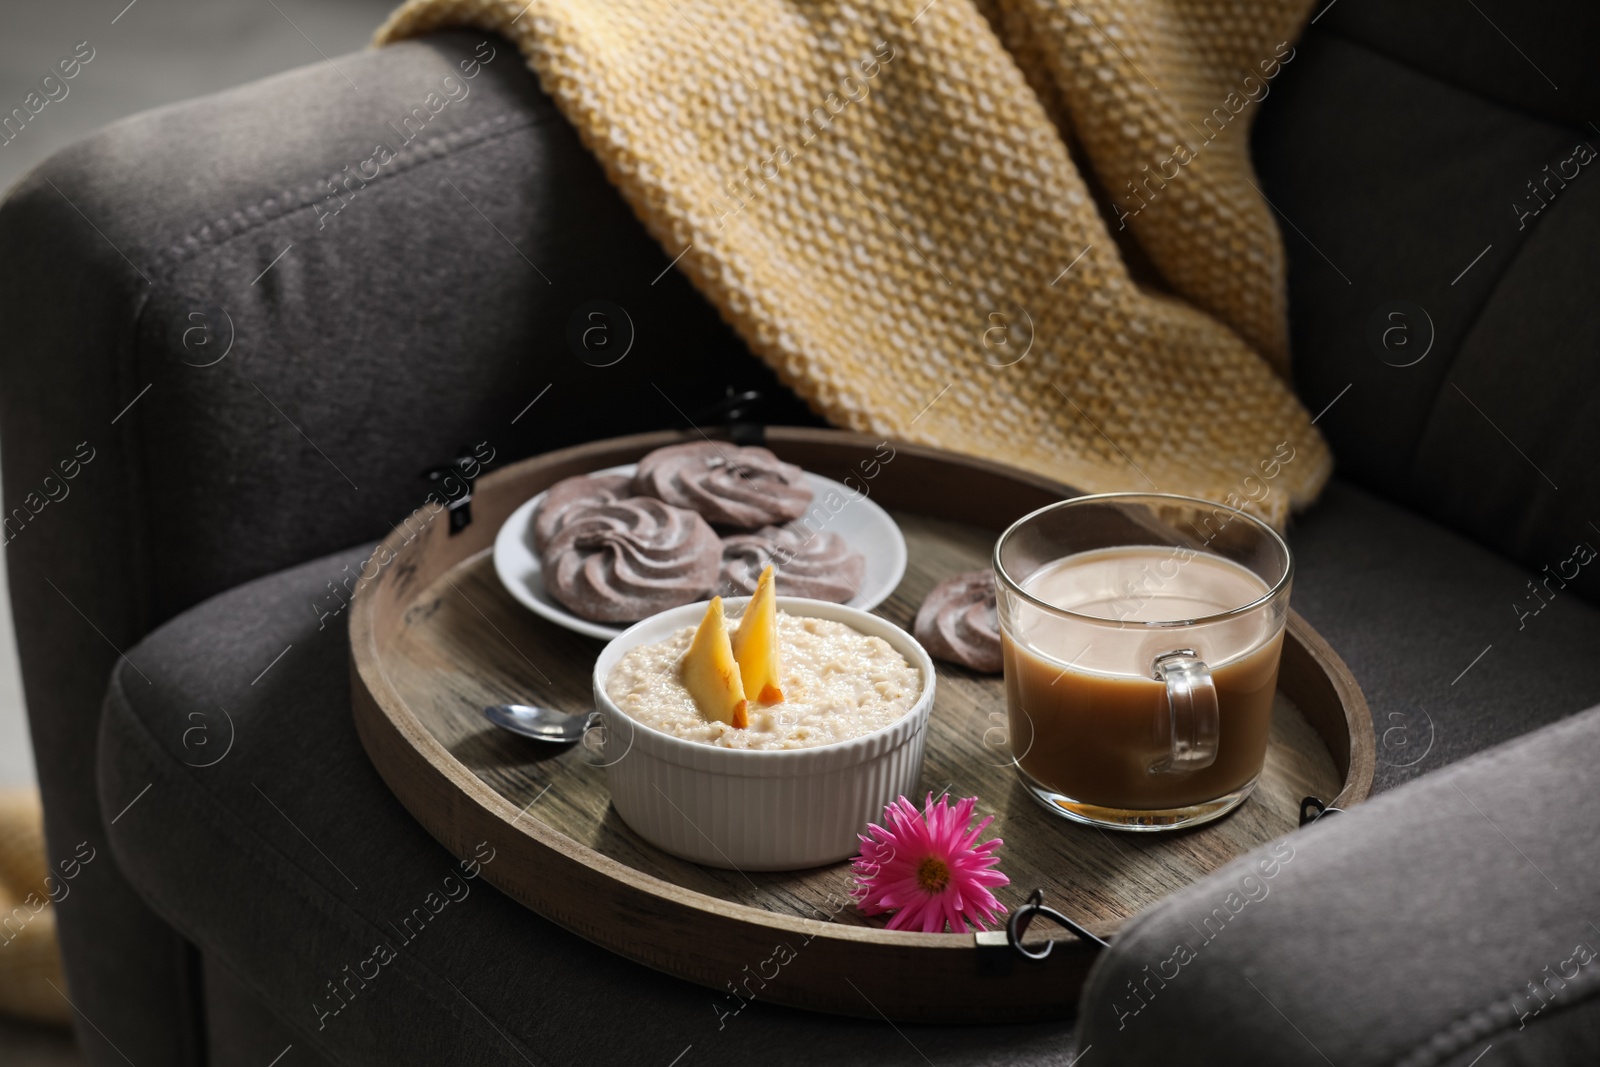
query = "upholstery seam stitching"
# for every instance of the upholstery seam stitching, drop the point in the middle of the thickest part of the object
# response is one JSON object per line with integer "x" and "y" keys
{"x": 1449, "y": 83}
{"x": 302, "y": 894}
{"x": 1429, "y": 418}
{"x": 118, "y": 693}
{"x": 1468, "y": 333}
{"x": 266, "y": 1003}
{"x": 1419, "y": 1055}
{"x": 215, "y": 235}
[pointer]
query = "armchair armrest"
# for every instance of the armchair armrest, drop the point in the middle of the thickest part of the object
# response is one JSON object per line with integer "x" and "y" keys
{"x": 1451, "y": 914}
{"x": 237, "y": 331}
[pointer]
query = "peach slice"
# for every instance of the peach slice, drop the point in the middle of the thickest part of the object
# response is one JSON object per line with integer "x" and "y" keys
{"x": 755, "y": 645}
{"x": 710, "y": 672}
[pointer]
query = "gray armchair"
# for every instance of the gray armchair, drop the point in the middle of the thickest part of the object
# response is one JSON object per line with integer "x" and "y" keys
{"x": 246, "y": 347}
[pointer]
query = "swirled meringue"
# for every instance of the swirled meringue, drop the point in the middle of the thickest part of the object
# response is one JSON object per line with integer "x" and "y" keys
{"x": 816, "y": 564}
{"x": 743, "y": 487}
{"x": 564, "y": 498}
{"x": 629, "y": 559}
{"x": 958, "y": 622}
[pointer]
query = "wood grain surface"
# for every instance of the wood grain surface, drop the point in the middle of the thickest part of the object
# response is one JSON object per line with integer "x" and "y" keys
{"x": 435, "y": 637}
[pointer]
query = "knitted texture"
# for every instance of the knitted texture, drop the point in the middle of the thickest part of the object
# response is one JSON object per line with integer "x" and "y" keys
{"x": 882, "y": 198}
{"x": 30, "y": 960}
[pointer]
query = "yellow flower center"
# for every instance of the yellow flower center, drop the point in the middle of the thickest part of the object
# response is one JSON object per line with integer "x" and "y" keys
{"x": 933, "y": 874}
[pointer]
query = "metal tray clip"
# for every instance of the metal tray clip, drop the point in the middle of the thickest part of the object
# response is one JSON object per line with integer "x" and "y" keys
{"x": 1018, "y": 927}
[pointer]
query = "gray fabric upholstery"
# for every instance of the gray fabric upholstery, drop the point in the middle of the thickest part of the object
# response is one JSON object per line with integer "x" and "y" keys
{"x": 1395, "y": 144}
{"x": 1534, "y": 57}
{"x": 288, "y": 859}
{"x": 1418, "y": 614}
{"x": 393, "y": 332}
{"x": 239, "y": 1029}
{"x": 418, "y": 318}
{"x": 1445, "y": 918}
{"x": 204, "y": 839}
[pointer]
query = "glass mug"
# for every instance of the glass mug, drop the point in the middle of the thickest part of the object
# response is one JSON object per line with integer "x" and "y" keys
{"x": 1141, "y": 634}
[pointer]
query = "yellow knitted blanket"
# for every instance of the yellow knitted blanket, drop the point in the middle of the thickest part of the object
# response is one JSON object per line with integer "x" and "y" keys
{"x": 31, "y": 985}
{"x": 922, "y": 214}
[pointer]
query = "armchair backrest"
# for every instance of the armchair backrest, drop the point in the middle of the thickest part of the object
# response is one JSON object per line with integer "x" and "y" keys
{"x": 1439, "y": 198}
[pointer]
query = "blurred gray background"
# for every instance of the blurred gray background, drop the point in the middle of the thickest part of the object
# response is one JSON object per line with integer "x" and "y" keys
{"x": 147, "y": 53}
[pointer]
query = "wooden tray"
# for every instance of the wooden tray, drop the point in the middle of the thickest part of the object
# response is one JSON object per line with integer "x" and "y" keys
{"x": 435, "y": 637}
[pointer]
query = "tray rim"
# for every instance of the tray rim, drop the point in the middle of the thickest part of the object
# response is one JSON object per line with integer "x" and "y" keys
{"x": 415, "y": 764}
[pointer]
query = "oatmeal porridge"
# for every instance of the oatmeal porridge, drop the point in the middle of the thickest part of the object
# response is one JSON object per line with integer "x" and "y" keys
{"x": 838, "y": 683}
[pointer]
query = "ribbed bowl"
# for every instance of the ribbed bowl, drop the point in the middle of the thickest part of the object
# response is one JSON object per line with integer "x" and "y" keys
{"x": 758, "y": 810}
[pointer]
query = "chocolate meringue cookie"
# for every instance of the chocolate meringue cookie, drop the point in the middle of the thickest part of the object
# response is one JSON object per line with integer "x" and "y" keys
{"x": 744, "y": 487}
{"x": 959, "y": 623}
{"x": 563, "y": 499}
{"x": 816, "y": 564}
{"x": 629, "y": 559}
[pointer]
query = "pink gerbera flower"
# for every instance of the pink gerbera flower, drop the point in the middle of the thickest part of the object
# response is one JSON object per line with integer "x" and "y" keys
{"x": 927, "y": 868}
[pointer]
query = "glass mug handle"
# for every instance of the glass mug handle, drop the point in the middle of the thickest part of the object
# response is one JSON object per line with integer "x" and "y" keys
{"x": 1191, "y": 725}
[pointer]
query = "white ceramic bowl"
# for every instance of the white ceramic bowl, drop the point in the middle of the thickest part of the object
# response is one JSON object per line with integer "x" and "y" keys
{"x": 759, "y": 810}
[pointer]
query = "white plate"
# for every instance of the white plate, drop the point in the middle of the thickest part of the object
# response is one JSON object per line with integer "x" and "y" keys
{"x": 865, "y": 527}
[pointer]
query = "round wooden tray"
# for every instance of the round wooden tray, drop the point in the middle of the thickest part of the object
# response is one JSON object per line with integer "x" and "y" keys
{"x": 435, "y": 637}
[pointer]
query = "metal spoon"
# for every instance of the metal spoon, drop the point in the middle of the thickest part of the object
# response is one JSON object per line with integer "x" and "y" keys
{"x": 541, "y": 724}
